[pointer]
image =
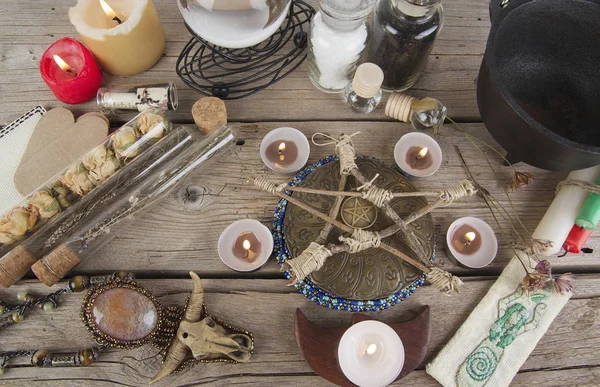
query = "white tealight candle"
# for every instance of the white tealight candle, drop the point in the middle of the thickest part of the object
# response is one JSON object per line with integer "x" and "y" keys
{"x": 560, "y": 216}
{"x": 418, "y": 154}
{"x": 471, "y": 242}
{"x": 371, "y": 354}
{"x": 285, "y": 150}
{"x": 245, "y": 245}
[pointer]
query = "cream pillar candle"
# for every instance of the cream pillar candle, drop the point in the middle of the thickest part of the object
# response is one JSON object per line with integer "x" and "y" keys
{"x": 560, "y": 216}
{"x": 125, "y": 48}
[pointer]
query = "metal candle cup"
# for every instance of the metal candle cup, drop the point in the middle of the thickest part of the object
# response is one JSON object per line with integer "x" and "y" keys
{"x": 371, "y": 354}
{"x": 418, "y": 154}
{"x": 285, "y": 150}
{"x": 471, "y": 243}
{"x": 245, "y": 245}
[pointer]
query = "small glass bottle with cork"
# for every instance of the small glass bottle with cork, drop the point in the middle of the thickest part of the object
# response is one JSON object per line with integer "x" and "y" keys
{"x": 422, "y": 113}
{"x": 364, "y": 93}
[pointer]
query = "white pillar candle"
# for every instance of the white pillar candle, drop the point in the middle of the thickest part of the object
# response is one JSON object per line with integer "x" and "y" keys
{"x": 560, "y": 216}
{"x": 125, "y": 48}
{"x": 258, "y": 254}
{"x": 371, "y": 354}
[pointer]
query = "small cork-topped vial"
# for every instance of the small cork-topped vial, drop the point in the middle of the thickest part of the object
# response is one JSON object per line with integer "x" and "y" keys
{"x": 364, "y": 93}
{"x": 420, "y": 113}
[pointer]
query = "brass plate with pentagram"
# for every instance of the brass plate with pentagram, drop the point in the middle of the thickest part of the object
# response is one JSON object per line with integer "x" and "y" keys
{"x": 373, "y": 273}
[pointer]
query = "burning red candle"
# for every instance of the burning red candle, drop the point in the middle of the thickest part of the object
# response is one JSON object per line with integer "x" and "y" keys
{"x": 70, "y": 71}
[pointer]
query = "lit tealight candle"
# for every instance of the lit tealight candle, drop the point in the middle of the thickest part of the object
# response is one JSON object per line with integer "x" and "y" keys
{"x": 125, "y": 36}
{"x": 418, "y": 154}
{"x": 245, "y": 245}
{"x": 371, "y": 354}
{"x": 285, "y": 150}
{"x": 471, "y": 242}
{"x": 69, "y": 70}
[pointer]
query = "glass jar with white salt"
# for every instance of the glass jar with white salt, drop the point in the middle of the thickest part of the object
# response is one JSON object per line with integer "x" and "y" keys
{"x": 338, "y": 39}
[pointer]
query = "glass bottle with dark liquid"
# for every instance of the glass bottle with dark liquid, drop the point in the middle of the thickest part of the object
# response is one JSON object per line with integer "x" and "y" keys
{"x": 403, "y": 34}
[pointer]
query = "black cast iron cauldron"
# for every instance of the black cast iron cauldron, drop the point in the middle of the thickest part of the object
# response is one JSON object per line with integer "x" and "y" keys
{"x": 539, "y": 84}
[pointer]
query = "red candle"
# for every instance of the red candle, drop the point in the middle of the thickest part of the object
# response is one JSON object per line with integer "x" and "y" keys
{"x": 576, "y": 239}
{"x": 70, "y": 71}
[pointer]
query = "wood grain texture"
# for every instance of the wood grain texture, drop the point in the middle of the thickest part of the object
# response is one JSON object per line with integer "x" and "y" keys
{"x": 27, "y": 29}
{"x": 566, "y": 355}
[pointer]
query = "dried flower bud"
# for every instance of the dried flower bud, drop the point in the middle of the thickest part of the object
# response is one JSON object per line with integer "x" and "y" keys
{"x": 76, "y": 179}
{"x": 15, "y": 224}
{"x": 564, "y": 283}
{"x": 104, "y": 169}
{"x": 63, "y": 195}
{"x": 150, "y": 124}
{"x": 94, "y": 157}
{"x": 535, "y": 281}
{"x": 520, "y": 180}
{"x": 123, "y": 143}
{"x": 544, "y": 267}
{"x": 44, "y": 204}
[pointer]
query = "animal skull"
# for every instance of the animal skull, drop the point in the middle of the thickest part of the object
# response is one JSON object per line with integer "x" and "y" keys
{"x": 205, "y": 338}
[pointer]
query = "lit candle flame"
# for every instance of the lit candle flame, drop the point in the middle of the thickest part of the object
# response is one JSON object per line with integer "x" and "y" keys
{"x": 281, "y": 147}
{"x": 371, "y": 349}
{"x": 470, "y": 237}
{"x": 109, "y": 11}
{"x": 422, "y": 153}
{"x": 62, "y": 64}
{"x": 246, "y": 244}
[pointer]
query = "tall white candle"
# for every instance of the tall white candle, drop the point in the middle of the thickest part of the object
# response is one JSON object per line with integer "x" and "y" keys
{"x": 560, "y": 216}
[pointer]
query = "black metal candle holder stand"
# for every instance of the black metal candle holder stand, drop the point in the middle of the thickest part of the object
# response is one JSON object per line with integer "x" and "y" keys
{"x": 237, "y": 73}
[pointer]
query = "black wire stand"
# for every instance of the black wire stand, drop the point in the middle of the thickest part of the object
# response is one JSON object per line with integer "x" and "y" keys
{"x": 237, "y": 73}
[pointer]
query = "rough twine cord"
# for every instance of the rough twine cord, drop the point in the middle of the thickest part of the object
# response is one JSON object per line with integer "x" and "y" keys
{"x": 464, "y": 188}
{"x": 344, "y": 148}
{"x": 263, "y": 184}
{"x": 377, "y": 196}
{"x": 586, "y": 185}
{"x": 361, "y": 240}
{"x": 311, "y": 259}
{"x": 443, "y": 280}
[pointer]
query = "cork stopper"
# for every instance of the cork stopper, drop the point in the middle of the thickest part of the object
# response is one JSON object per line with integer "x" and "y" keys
{"x": 209, "y": 114}
{"x": 367, "y": 80}
{"x": 399, "y": 106}
{"x": 55, "y": 265}
{"x": 14, "y": 265}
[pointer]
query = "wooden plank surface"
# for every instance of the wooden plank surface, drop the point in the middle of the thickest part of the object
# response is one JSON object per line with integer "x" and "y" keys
{"x": 566, "y": 355}
{"x": 28, "y": 28}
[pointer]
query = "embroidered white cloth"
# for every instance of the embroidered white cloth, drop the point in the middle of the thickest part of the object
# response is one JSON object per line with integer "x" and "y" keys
{"x": 13, "y": 141}
{"x": 500, "y": 333}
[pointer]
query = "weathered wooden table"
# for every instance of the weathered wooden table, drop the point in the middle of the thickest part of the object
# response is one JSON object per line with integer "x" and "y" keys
{"x": 181, "y": 233}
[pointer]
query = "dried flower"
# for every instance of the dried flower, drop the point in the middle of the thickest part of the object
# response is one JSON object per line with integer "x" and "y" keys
{"x": 43, "y": 204}
{"x": 520, "y": 180}
{"x": 535, "y": 281}
{"x": 104, "y": 169}
{"x": 539, "y": 246}
{"x": 544, "y": 267}
{"x": 15, "y": 224}
{"x": 150, "y": 124}
{"x": 564, "y": 283}
{"x": 63, "y": 195}
{"x": 95, "y": 157}
{"x": 123, "y": 143}
{"x": 76, "y": 179}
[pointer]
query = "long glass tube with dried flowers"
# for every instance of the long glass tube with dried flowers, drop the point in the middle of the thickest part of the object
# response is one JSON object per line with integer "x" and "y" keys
{"x": 161, "y": 169}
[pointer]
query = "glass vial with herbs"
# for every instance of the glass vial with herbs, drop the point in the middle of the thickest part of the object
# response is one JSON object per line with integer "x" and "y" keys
{"x": 337, "y": 44}
{"x": 364, "y": 93}
{"x": 403, "y": 34}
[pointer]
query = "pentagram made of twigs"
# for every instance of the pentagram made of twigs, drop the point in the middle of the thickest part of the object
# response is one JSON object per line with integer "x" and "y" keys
{"x": 372, "y": 274}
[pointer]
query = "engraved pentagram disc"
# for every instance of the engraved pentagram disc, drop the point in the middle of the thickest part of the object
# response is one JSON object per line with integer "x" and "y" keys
{"x": 371, "y": 274}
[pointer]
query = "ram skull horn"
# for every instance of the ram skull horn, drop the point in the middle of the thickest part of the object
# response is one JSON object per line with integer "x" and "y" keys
{"x": 205, "y": 338}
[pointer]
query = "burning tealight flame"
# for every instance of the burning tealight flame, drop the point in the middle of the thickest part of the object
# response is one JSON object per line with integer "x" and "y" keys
{"x": 109, "y": 11}
{"x": 62, "y": 64}
{"x": 470, "y": 237}
{"x": 281, "y": 147}
{"x": 246, "y": 245}
{"x": 422, "y": 153}
{"x": 371, "y": 349}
